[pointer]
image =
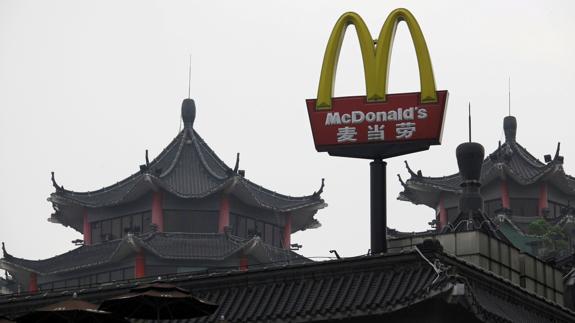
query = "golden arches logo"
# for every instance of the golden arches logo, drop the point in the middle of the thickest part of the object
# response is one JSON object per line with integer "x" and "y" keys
{"x": 375, "y": 58}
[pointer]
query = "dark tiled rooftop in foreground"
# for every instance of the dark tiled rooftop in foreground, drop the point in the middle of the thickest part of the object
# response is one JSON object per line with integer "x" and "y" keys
{"x": 368, "y": 286}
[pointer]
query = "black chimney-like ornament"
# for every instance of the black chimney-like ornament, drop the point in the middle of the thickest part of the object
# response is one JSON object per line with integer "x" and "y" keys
{"x": 510, "y": 128}
{"x": 188, "y": 112}
{"x": 470, "y": 159}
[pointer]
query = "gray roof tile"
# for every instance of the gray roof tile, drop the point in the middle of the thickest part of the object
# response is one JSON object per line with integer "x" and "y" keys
{"x": 181, "y": 246}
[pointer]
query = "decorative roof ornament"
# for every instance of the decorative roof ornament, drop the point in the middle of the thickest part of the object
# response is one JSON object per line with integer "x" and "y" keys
{"x": 510, "y": 128}
{"x": 411, "y": 172}
{"x": 318, "y": 193}
{"x": 56, "y": 186}
{"x": 470, "y": 159}
{"x": 401, "y": 180}
{"x": 144, "y": 168}
{"x": 237, "y": 166}
{"x": 188, "y": 113}
{"x": 5, "y": 253}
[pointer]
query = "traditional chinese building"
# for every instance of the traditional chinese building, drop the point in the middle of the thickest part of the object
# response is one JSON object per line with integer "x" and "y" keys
{"x": 518, "y": 189}
{"x": 184, "y": 211}
{"x": 466, "y": 274}
{"x": 423, "y": 284}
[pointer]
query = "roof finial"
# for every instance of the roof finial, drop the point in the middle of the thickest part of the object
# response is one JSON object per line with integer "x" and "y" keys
{"x": 510, "y": 128}
{"x": 469, "y": 117}
{"x": 470, "y": 159}
{"x": 147, "y": 159}
{"x": 509, "y": 95}
{"x": 190, "y": 76}
{"x": 188, "y": 113}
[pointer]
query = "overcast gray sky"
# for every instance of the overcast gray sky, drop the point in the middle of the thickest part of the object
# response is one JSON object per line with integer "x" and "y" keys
{"x": 87, "y": 86}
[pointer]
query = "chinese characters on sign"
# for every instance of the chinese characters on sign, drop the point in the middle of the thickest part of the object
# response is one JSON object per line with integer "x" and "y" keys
{"x": 376, "y": 132}
{"x": 346, "y": 134}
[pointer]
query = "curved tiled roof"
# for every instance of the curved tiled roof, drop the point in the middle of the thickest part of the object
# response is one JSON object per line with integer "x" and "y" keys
{"x": 180, "y": 246}
{"x": 187, "y": 168}
{"x": 509, "y": 160}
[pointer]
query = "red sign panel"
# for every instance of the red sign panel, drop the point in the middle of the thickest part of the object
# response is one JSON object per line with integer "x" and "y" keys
{"x": 352, "y": 122}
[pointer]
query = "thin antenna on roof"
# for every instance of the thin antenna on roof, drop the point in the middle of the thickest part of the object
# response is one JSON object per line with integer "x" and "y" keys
{"x": 509, "y": 94}
{"x": 190, "y": 76}
{"x": 469, "y": 117}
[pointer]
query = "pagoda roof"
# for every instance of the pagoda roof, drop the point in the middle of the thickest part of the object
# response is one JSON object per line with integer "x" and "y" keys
{"x": 187, "y": 168}
{"x": 168, "y": 246}
{"x": 509, "y": 161}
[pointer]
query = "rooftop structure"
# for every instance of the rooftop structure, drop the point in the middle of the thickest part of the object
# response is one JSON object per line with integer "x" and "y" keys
{"x": 423, "y": 284}
{"x": 518, "y": 189}
{"x": 184, "y": 211}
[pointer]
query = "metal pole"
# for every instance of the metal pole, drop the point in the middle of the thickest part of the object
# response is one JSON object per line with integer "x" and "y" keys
{"x": 378, "y": 207}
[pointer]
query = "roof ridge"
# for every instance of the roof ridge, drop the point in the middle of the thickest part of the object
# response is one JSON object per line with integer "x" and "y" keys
{"x": 177, "y": 157}
{"x": 527, "y": 156}
{"x": 227, "y": 169}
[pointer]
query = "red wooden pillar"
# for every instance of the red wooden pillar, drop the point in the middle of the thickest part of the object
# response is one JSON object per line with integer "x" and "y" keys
{"x": 505, "y": 195}
{"x": 442, "y": 213}
{"x": 140, "y": 265}
{"x": 33, "y": 283}
{"x": 224, "y": 219}
{"x": 87, "y": 229}
{"x": 243, "y": 262}
{"x": 287, "y": 233}
{"x": 543, "y": 198}
{"x": 158, "y": 211}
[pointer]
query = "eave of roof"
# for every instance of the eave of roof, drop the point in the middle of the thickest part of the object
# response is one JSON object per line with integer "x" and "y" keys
{"x": 168, "y": 246}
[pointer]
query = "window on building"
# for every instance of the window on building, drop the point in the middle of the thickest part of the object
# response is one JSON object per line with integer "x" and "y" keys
{"x": 117, "y": 275}
{"x": 251, "y": 227}
{"x": 246, "y": 227}
{"x": 103, "y": 277}
{"x": 137, "y": 220}
{"x": 106, "y": 230}
{"x": 556, "y": 209}
{"x": 233, "y": 222}
{"x": 269, "y": 233}
{"x": 241, "y": 230}
{"x": 117, "y": 228}
{"x": 278, "y": 237}
{"x": 146, "y": 225}
{"x": 524, "y": 207}
{"x": 190, "y": 221}
{"x": 126, "y": 225}
{"x": 96, "y": 232}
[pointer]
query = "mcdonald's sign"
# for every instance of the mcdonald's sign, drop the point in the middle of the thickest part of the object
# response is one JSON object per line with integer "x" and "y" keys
{"x": 377, "y": 125}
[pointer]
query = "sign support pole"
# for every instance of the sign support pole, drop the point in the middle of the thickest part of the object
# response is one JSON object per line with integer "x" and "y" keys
{"x": 378, "y": 206}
